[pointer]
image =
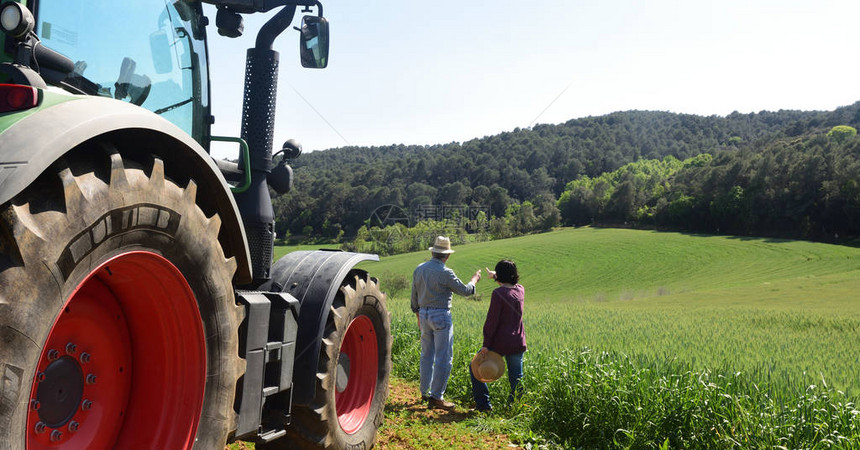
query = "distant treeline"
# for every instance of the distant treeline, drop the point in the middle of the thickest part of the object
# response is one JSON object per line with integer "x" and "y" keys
{"x": 770, "y": 173}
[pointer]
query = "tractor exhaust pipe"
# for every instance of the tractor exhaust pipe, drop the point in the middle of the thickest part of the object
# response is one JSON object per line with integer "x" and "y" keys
{"x": 258, "y": 123}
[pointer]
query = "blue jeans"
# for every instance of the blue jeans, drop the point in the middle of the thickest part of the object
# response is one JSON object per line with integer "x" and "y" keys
{"x": 437, "y": 351}
{"x": 480, "y": 392}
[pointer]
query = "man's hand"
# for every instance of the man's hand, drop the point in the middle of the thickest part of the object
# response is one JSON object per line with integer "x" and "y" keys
{"x": 476, "y": 277}
{"x": 417, "y": 316}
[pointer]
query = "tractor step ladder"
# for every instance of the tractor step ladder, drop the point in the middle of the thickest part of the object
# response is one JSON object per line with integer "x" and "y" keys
{"x": 267, "y": 341}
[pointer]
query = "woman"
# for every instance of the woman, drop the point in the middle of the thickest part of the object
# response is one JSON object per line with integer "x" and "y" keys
{"x": 503, "y": 331}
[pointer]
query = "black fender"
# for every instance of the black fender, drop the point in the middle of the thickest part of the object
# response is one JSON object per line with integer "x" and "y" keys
{"x": 313, "y": 278}
{"x": 33, "y": 143}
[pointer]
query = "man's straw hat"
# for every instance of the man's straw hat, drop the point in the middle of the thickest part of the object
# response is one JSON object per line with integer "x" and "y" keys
{"x": 488, "y": 366}
{"x": 442, "y": 245}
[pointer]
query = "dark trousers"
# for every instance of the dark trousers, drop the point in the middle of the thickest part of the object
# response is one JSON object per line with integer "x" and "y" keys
{"x": 480, "y": 392}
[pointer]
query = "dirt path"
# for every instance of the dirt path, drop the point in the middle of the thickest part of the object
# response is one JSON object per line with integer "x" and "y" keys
{"x": 409, "y": 424}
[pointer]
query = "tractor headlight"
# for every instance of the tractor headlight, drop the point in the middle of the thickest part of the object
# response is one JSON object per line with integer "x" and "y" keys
{"x": 16, "y": 20}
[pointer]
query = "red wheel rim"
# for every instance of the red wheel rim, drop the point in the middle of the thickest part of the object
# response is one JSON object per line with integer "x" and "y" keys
{"x": 124, "y": 365}
{"x": 356, "y": 374}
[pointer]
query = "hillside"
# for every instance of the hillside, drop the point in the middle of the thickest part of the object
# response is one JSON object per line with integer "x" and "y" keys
{"x": 716, "y": 299}
{"x": 705, "y": 341}
{"x": 336, "y": 190}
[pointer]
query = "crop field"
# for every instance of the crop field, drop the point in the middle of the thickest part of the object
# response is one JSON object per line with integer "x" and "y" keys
{"x": 642, "y": 339}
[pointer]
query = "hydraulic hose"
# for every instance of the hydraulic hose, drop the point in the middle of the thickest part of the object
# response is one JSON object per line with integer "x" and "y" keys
{"x": 51, "y": 59}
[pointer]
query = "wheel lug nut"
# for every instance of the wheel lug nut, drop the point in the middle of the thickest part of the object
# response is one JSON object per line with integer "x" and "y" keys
{"x": 40, "y": 427}
{"x": 53, "y": 355}
{"x": 34, "y": 404}
{"x": 40, "y": 377}
{"x": 86, "y": 405}
{"x": 71, "y": 348}
{"x": 91, "y": 378}
{"x": 85, "y": 357}
{"x": 56, "y": 435}
{"x": 73, "y": 426}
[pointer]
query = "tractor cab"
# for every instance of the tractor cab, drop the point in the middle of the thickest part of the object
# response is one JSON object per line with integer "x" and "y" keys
{"x": 166, "y": 73}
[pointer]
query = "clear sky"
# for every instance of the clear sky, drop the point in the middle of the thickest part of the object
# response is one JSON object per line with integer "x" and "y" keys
{"x": 434, "y": 72}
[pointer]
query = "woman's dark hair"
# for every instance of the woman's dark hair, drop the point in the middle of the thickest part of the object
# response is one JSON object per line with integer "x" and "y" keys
{"x": 506, "y": 272}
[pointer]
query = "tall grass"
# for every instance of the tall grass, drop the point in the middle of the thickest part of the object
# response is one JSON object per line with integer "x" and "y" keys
{"x": 606, "y": 400}
{"x": 588, "y": 399}
{"x": 684, "y": 342}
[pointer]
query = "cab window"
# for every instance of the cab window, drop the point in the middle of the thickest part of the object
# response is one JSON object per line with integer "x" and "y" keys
{"x": 152, "y": 54}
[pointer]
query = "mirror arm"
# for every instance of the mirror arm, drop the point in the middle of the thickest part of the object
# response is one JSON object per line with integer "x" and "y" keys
{"x": 312, "y": 3}
{"x": 280, "y": 21}
{"x": 306, "y": 3}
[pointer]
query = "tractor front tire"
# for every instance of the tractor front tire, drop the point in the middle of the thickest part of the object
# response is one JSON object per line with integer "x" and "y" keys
{"x": 118, "y": 323}
{"x": 352, "y": 373}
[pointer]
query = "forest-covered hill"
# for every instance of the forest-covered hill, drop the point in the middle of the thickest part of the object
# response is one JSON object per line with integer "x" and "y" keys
{"x": 336, "y": 190}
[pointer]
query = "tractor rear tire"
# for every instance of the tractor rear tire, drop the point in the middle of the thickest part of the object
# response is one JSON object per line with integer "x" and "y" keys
{"x": 352, "y": 373}
{"x": 118, "y": 321}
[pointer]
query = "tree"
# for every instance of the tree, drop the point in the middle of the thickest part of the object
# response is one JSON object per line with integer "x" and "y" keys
{"x": 769, "y": 155}
{"x": 548, "y": 215}
{"x": 681, "y": 211}
{"x": 420, "y": 194}
{"x": 622, "y": 202}
{"x": 454, "y": 194}
{"x": 841, "y": 133}
{"x": 729, "y": 212}
{"x": 480, "y": 195}
{"x": 499, "y": 200}
{"x": 577, "y": 206}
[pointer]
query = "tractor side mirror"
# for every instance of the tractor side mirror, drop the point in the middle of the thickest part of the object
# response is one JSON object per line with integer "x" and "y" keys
{"x": 313, "y": 45}
{"x": 159, "y": 46}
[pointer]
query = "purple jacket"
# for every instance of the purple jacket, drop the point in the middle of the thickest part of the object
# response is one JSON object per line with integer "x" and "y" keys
{"x": 503, "y": 330}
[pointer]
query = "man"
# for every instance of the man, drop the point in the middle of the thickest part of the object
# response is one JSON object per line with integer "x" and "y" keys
{"x": 432, "y": 287}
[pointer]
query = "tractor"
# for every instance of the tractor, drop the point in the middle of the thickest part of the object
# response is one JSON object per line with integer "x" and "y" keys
{"x": 140, "y": 307}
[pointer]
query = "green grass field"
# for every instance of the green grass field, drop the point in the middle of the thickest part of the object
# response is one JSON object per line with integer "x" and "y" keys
{"x": 775, "y": 309}
{"x": 765, "y": 323}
